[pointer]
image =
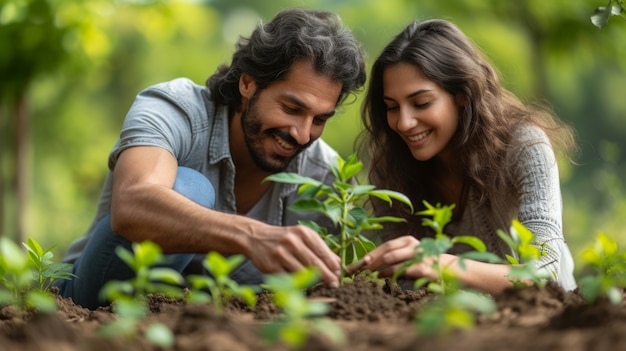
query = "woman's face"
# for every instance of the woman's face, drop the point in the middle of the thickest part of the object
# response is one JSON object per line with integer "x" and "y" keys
{"x": 423, "y": 114}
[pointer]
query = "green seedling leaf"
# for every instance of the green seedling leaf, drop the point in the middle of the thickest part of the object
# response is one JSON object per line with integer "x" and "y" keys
{"x": 472, "y": 241}
{"x": 293, "y": 178}
{"x": 308, "y": 205}
{"x": 604, "y": 267}
{"x": 220, "y": 266}
{"x": 389, "y": 196}
{"x": 11, "y": 257}
{"x": 41, "y": 301}
{"x": 159, "y": 334}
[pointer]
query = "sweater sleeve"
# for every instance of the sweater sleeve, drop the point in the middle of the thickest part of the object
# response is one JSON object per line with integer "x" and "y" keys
{"x": 540, "y": 203}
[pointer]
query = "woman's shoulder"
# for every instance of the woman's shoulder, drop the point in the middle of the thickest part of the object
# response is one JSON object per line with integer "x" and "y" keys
{"x": 528, "y": 134}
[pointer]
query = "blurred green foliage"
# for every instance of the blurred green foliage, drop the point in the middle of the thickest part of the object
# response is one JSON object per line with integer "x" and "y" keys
{"x": 80, "y": 64}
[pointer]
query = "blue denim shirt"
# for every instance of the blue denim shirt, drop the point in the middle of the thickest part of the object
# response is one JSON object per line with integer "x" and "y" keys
{"x": 181, "y": 117}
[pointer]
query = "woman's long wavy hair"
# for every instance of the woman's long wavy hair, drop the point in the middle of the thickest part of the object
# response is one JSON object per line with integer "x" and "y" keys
{"x": 292, "y": 34}
{"x": 447, "y": 57}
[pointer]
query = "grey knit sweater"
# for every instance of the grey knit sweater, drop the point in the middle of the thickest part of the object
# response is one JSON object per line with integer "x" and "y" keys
{"x": 539, "y": 208}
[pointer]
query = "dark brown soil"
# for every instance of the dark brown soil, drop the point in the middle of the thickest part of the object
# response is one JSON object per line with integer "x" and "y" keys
{"x": 373, "y": 315}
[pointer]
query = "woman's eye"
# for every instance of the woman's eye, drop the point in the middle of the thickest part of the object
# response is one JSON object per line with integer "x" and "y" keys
{"x": 391, "y": 108}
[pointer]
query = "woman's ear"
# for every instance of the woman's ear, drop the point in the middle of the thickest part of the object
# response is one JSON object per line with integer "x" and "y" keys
{"x": 247, "y": 86}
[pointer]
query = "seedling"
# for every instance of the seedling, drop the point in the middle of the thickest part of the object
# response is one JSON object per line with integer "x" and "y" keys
{"x": 431, "y": 248}
{"x": 220, "y": 287}
{"x": 605, "y": 270}
{"x": 301, "y": 316}
{"x": 27, "y": 276}
{"x": 129, "y": 298}
{"x": 524, "y": 268}
{"x": 454, "y": 311}
{"x": 343, "y": 204}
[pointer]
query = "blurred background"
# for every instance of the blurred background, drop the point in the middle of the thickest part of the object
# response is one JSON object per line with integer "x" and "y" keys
{"x": 69, "y": 70}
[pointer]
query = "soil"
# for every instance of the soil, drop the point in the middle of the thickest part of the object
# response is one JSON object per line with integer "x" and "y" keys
{"x": 373, "y": 315}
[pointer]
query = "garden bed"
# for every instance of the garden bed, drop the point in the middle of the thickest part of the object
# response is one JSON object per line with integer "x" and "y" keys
{"x": 373, "y": 315}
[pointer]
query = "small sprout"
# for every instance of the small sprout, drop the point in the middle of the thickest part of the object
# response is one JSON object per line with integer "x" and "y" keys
{"x": 604, "y": 270}
{"x": 432, "y": 248}
{"x": 525, "y": 267}
{"x": 129, "y": 298}
{"x": 26, "y": 277}
{"x": 301, "y": 316}
{"x": 220, "y": 287}
{"x": 455, "y": 311}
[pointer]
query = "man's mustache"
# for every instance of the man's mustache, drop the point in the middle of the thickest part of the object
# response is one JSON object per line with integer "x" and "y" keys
{"x": 286, "y": 137}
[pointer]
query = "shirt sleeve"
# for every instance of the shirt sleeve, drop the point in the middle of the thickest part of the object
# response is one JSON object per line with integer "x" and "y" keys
{"x": 158, "y": 117}
{"x": 540, "y": 207}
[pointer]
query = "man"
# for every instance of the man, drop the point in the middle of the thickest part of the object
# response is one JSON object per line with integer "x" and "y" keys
{"x": 188, "y": 169}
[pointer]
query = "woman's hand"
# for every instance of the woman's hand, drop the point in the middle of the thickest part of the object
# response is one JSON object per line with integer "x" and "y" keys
{"x": 389, "y": 257}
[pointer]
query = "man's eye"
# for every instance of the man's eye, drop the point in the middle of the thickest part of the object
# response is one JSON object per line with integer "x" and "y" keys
{"x": 289, "y": 109}
{"x": 320, "y": 121}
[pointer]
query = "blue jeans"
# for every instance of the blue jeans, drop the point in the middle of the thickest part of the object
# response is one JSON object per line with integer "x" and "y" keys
{"x": 99, "y": 264}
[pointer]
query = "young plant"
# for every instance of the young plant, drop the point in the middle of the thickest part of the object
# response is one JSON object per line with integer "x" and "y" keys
{"x": 524, "y": 268}
{"x": 453, "y": 308}
{"x": 604, "y": 270}
{"x": 343, "y": 203}
{"x": 454, "y": 311}
{"x": 430, "y": 249}
{"x": 26, "y": 276}
{"x": 220, "y": 287}
{"x": 129, "y": 298}
{"x": 301, "y": 317}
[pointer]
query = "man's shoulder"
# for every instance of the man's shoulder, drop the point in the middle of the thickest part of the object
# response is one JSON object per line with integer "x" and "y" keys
{"x": 178, "y": 87}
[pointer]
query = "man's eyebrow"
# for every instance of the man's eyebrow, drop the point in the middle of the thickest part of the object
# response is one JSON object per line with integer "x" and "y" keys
{"x": 415, "y": 93}
{"x": 295, "y": 100}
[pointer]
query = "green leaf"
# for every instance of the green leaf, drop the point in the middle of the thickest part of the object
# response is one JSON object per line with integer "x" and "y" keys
{"x": 41, "y": 300}
{"x": 350, "y": 168}
{"x": 308, "y": 205}
{"x": 147, "y": 253}
{"x": 159, "y": 334}
{"x": 166, "y": 275}
{"x": 472, "y": 241}
{"x": 292, "y": 178}
{"x": 330, "y": 329}
{"x": 482, "y": 256}
{"x": 11, "y": 257}
{"x": 361, "y": 189}
{"x": 388, "y": 195}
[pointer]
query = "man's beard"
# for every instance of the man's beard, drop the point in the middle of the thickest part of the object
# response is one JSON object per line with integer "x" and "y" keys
{"x": 253, "y": 135}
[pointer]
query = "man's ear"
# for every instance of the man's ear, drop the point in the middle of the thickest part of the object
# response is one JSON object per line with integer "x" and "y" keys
{"x": 247, "y": 86}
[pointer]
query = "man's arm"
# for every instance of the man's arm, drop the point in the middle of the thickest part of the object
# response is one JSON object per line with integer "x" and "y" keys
{"x": 145, "y": 207}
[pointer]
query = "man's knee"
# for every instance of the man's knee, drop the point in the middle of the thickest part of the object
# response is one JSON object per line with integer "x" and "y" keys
{"x": 195, "y": 186}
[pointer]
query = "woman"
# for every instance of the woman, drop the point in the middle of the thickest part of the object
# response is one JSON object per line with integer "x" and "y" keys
{"x": 440, "y": 127}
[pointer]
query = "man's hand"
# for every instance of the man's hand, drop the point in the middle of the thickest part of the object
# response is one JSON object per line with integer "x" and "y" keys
{"x": 290, "y": 249}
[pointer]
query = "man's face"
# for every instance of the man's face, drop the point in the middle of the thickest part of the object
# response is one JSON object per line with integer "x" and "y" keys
{"x": 283, "y": 119}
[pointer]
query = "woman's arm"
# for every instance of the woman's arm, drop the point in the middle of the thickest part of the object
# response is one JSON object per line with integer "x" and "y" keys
{"x": 389, "y": 257}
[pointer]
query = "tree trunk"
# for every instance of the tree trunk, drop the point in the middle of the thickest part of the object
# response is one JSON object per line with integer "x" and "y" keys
{"x": 21, "y": 165}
